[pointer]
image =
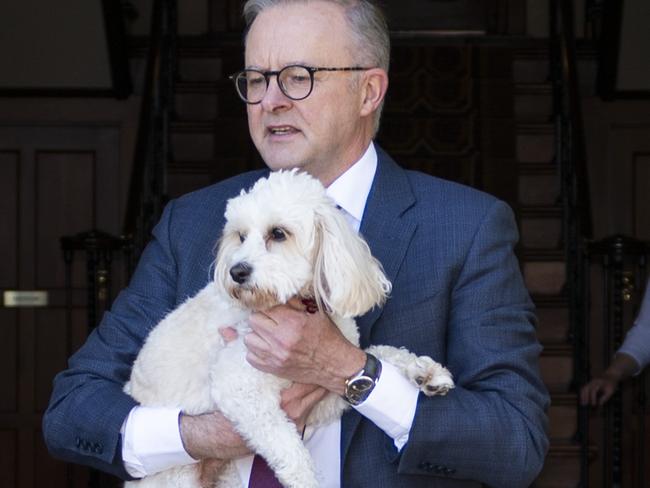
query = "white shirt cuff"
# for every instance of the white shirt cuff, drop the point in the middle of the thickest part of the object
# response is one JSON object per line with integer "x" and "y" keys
{"x": 151, "y": 441}
{"x": 391, "y": 404}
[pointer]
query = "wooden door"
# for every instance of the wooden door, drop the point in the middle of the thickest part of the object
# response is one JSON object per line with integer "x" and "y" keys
{"x": 54, "y": 181}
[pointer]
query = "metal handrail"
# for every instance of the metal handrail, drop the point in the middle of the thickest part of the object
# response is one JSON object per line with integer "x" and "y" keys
{"x": 148, "y": 186}
{"x": 570, "y": 156}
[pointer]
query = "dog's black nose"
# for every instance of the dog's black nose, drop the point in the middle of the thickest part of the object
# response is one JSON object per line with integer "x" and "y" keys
{"x": 240, "y": 272}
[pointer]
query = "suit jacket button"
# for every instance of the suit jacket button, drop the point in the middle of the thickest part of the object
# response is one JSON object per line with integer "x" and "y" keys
{"x": 449, "y": 471}
{"x": 439, "y": 469}
{"x": 77, "y": 441}
{"x": 426, "y": 466}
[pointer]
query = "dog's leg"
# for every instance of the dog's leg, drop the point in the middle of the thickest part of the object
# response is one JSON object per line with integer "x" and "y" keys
{"x": 250, "y": 399}
{"x": 430, "y": 377}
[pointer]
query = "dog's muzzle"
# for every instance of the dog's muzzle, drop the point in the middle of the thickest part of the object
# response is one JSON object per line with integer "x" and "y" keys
{"x": 240, "y": 272}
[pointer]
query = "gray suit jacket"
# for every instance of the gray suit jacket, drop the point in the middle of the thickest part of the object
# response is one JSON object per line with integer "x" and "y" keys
{"x": 458, "y": 296}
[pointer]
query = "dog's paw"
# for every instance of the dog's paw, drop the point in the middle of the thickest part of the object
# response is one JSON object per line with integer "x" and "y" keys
{"x": 430, "y": 377}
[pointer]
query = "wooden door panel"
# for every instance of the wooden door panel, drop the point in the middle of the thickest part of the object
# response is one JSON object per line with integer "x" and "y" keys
{"x": 8, "y": 362}
{"x": 65, "y": 196}
{"x": 8, "y": 446}
{"x": 8, "y": 218}
{"x": 51, "y": 348}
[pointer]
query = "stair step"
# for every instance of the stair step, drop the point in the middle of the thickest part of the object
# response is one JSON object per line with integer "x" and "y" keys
{"x": 541, "y": 227}
{"x": 545, "y": 274}
{"x": 191, "y": 105}
{"x": 556, "y": 366}
{"x": 182, "y": 182}
{"x": 540, "y": 211}
{"x": 205, "y": 59}
{"x": 538, "y": 169}
{"x": 220, "y": 168}
{"x": 199, "y": 58}
{"x": 550, "y": 301}
{"x": 199, "y": 87}
{"x": 562, "y": 467}
{"x": 544, "y": 255}
{"x": 533, "y": 102}
{"x": 534, "y": 88}
{"x": 553, "y": 322}
{"x": 531, "y": 65}
{"x": 204, "y": 140}
{"x": 563, "y": 416}
{"x": 208, "y": 100}
{"x": 538, "y": 188}
{"x": 200, "y": 68}
{"x": 541, "y": 233}
{"x": 535, "y": 143}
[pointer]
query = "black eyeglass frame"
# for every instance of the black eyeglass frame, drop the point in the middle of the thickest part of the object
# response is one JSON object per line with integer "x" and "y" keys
{"x": 267, "y": 75}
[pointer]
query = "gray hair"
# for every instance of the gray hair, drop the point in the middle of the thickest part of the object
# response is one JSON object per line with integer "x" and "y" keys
{"x": 367, "y": 25}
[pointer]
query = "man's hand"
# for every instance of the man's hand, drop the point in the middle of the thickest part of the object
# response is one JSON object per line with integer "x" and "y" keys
{"x": 305, "y": 347}
{"x": 298, "y": 400}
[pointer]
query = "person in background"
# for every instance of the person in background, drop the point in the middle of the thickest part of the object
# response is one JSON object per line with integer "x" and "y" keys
{"x": 630, "y": 359}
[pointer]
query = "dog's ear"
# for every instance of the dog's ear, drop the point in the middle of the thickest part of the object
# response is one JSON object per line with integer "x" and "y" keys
{"x": 348, "y": 280}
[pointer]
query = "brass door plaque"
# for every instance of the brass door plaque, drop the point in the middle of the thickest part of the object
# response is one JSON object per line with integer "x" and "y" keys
{"x": 35, "y": 298}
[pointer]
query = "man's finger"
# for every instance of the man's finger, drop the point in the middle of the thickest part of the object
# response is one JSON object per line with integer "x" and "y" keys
{"x": 255, "y": 343}
{"x": 263, "y": 321}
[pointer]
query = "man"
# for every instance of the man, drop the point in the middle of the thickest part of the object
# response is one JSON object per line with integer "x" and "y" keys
{"x": 457, "y": 293}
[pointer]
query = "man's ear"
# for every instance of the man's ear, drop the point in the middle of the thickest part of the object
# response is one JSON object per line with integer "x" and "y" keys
{"x": 375, "y": 85}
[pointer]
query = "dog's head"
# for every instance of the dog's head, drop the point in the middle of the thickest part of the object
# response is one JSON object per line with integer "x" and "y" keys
{"x": 285, "y": 238}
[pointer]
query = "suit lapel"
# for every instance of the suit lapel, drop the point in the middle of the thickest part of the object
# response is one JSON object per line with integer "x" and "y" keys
{"x": 385, "y": 227}
{"x": 388, "y": 232}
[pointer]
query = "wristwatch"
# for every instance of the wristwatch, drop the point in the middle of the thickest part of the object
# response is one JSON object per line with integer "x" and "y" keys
{"x": 359, "y": 386}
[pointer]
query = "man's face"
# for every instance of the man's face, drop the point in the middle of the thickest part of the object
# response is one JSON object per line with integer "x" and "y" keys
{"x": 324, "y": 133}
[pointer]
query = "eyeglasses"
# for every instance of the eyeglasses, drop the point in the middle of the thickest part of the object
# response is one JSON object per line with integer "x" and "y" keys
{"x": 295, "y": 81}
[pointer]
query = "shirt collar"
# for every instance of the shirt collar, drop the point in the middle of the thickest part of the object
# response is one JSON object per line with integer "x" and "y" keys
{"x": 350, "y": 190}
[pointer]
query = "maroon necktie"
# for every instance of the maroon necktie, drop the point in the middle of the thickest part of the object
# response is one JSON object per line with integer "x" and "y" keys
{"x": 262, "y": 475}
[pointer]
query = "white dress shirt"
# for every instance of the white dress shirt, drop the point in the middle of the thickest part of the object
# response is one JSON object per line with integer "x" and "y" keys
{"x": 637, "y": 339}
{"x": 151, "y": 436}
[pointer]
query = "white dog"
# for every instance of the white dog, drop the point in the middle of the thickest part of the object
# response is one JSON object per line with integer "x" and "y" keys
{"x": 283, "y": 238}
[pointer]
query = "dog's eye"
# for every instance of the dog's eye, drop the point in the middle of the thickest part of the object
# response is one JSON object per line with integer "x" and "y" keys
{"x": 242, "y": 237}
{"x": 278, "y": 234}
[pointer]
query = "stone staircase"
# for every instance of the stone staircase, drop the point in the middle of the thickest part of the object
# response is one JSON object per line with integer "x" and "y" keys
{"x": 542, "y": 255}
{"x": 210, "y": 134}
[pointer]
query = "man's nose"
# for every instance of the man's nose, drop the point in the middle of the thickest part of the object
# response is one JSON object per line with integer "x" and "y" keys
{"x": 274, "y": 98}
